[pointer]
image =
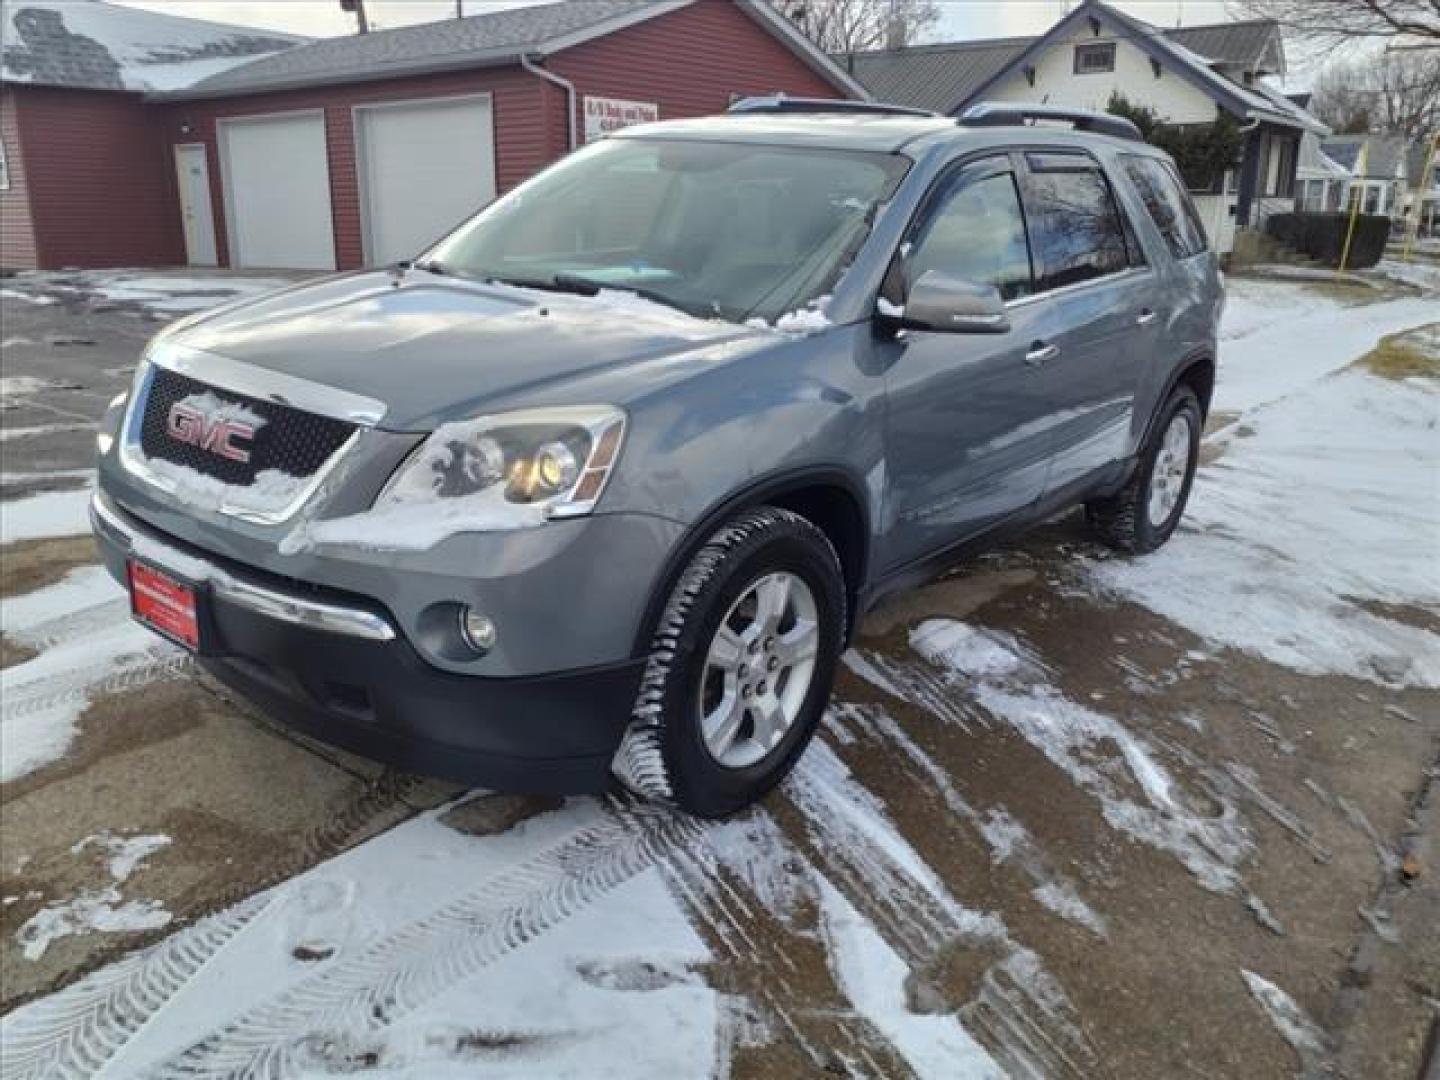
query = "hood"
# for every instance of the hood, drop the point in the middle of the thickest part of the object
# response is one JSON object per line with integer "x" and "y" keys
{"x": 440, "y": 348}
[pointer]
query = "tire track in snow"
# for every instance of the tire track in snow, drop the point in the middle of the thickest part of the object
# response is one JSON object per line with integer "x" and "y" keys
{"x": 418, "y": 962}
{"x": 72, "y": 625}
{"x": 73, "y": 1034}
{"x": 76, "y": 686}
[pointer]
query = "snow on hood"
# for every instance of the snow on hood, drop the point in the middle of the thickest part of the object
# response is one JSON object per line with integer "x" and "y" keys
{"x": 94, "y": 45}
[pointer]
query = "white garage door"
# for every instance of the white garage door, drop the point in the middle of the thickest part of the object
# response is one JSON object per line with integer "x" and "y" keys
{"x": 277, "y": 192}
{"x": 424, "y": 167}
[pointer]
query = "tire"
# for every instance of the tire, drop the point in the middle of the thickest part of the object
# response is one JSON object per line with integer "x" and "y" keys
{"x": 669, "y": 753}
{"x": 1142, "y": 515}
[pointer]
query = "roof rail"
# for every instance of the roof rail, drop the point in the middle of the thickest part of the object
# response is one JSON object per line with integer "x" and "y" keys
{"x": 1012, "y": 114}
{"x": 781, "y": 104}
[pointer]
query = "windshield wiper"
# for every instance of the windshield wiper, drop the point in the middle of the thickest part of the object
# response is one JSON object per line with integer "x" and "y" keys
{"x": 430, "y": 266}
{"x": 579, "y": 283}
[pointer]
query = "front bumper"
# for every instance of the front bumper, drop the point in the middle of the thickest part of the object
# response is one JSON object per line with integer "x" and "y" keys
{"x": 337, "y": 667}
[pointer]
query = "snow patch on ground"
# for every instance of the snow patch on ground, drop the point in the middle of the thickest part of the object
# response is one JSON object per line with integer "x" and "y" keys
{"x": 1332, "y": 498}
{"x": 95, "y": 911}
{"x": 1137, "y": 794}
{"x": 124, "y": 854}
{"x": 82, "y": 588}
{"x": 436, "y": 953}
{"x": 41, "y": 700}
{"x": 11, "y": 385}
{"x": 1289, "y": 1019}
{"x": 40, "y": 431}
{"x": 48, "y": 513}
{"x": 160, "y": 294}
{"x": 873, "y": 977}
{"x": 100, "y": 910}
{"x": 33, "y": 298}
{"x": 1276, "y": 339}
{"x": 1423, "y": 275}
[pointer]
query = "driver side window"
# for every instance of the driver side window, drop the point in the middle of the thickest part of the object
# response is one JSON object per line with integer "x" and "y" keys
{"x": 977, "y": 233}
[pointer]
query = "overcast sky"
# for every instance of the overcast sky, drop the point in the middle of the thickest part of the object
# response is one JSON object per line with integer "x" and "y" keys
{"x": 960, "y": 19}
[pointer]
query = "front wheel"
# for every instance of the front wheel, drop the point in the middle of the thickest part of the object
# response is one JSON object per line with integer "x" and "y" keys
{"x": 1142, "y": 515}
{"x": 741, "y": 666}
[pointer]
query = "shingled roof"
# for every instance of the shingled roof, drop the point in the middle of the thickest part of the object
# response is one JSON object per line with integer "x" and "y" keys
{"x": 497, "y": 37}
{"x": 89, "y": 45}
{"x": 936, "y": 77}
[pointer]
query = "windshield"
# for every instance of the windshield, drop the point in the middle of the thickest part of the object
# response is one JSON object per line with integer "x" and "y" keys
{"x": 722, "y": 230}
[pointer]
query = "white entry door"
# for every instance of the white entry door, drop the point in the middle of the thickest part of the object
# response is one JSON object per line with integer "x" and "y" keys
{"x": 192, "y": 172}
{"x": 425, "y": 166}
{"x": 277, "y": 192}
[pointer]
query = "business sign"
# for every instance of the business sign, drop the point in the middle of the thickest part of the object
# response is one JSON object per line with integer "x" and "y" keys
{"x": 604, "y": 115}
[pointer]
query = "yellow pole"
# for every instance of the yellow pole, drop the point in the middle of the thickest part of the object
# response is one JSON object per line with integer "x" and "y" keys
{"x": 1412, "y": 227}
{"x": 1360, "y": 166}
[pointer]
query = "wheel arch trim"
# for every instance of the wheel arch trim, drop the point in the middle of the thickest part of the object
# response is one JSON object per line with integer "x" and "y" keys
{"x": 760, "y": 491}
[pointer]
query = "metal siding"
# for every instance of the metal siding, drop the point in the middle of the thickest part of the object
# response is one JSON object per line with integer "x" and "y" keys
{"x": 101, "y": 184}
{"x": 523, "y": 134}
{"x": 17, "y": 236}
{"x": 689, "y": 62}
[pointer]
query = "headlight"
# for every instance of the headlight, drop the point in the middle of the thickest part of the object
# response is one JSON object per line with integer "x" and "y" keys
{"x": 540, "y": 462}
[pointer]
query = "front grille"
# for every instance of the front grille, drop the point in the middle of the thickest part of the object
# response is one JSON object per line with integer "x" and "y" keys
{"x": 294, "y": 442}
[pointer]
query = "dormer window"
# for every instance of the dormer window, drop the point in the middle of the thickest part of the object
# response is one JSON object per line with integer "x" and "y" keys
{"x": 1094, "y": 57}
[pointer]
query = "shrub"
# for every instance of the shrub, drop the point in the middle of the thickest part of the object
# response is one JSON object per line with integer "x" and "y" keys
{"x": 1322, "y": 236}
{"x": 1202, "y": 152}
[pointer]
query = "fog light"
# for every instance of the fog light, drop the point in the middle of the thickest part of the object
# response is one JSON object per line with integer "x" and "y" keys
{"x": 477, "y": 630}
{"x": 103, "y": 441}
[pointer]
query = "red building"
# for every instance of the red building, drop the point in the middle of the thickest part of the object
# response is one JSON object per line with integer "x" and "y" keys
{"x": 344, "y": 152}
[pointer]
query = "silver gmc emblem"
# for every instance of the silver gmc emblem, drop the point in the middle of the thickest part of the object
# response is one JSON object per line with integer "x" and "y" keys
{"x": 223, "y": 436}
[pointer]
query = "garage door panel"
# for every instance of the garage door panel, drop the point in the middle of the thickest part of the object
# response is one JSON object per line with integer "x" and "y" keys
{"x": 425, "y": 167}
{"x": 277, "y": 180}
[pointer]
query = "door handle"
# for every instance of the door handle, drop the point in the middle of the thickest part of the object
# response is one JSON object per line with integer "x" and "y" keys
{"x": 1040, "y": 353}
{"x": 1145, "y": 318}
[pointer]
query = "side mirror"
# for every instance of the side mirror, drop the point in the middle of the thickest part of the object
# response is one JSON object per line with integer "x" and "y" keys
{"x": 948, "y": 304}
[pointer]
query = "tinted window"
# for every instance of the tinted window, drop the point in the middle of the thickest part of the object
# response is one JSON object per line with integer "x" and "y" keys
{"x": 1076, "y": 227}
{"x": 978, "y": 234}
{"x": 1171, "y": 210}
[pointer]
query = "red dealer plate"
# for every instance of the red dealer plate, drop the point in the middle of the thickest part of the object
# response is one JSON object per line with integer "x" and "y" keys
{"x": 164, "y": 604}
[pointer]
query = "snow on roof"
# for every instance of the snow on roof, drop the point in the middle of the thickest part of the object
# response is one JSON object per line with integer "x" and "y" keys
{"x": 88, "y": 44}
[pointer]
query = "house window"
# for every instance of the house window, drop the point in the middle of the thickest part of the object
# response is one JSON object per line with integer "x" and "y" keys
{"x": 4, "y": 168}
{"x": 1372, "y": 198}
{"x": 1094, "y": 57}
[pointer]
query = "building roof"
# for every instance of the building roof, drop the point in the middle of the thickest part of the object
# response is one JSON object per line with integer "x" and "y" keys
{"x": 90, "y": 45}
{"x": 1384, "y": 158}
{"x": 948, "y": 77}
{"x": 1251, "y": 45}
{"x": 936, "y": 77}
{"x": 497, "y": 37}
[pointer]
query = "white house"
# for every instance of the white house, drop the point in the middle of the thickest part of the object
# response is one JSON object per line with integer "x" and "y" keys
{"x": 1188, "y": 76}
{"x": 1375, "y": 171}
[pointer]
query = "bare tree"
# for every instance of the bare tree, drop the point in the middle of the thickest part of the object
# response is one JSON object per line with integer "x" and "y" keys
{"x": 1403, "y": 24}
{"x": 1394, "y": 93}
{"x": 847, "y": 26}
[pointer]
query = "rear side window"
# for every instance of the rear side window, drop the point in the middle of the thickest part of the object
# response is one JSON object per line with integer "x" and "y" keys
{"x": 1077, "y": 230}
{"x": 977, "y": 233}
{"x": 1169, "y": 207}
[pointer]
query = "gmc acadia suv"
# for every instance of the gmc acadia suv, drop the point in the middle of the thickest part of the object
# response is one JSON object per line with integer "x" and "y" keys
{"x": 600, "y": 484}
